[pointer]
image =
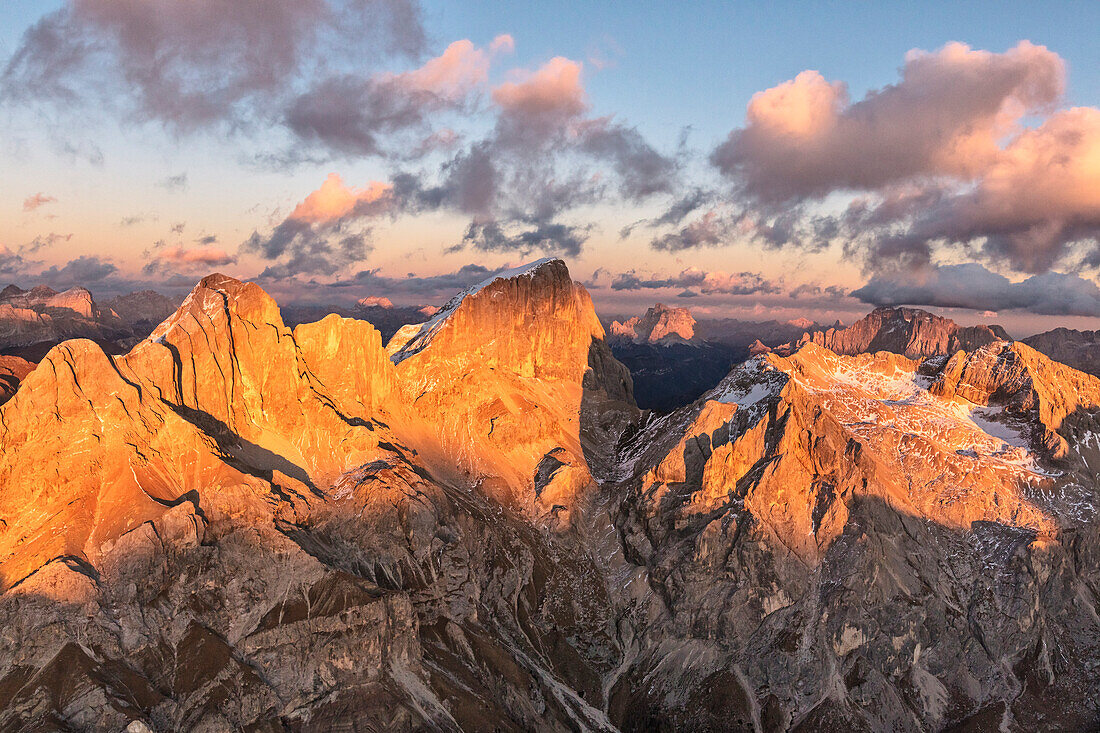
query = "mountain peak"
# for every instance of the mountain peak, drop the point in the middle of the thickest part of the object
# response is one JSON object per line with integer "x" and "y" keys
{"x": 534, "y": 287}
{"x": 661, "y": 324}
{"x": 221, "y": 294}
{"x": 912, "y": 332}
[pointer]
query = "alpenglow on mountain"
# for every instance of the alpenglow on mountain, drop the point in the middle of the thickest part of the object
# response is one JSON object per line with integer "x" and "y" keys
{"x": 241, "y": 526}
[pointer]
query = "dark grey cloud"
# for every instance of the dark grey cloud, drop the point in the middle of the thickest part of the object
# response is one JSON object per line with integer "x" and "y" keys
{"x": 696, "y": 281}
{"x": 45, "y": 240}
{"x": 710, "y": 230}
{"x": 642, "y": 171}
{"x": 817, "y": 291}
{"x": 975, "y": 287}
{"x": 547, "y": 236}
{"x": 201, "y": 62}
{"x": 84, "y": 270}
{"x": 430, "y": 286}
{"x": 297, "y": 247}
{"x": 544, "y": 159}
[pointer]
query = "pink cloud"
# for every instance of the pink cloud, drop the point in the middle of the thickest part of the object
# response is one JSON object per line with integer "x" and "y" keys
{"x": 32, "y": 203}
{"x": 945, "y": 117}
{"x": 503, "y": 43}
{"x": 334, "y": 200}
{"x": 458, "y": 70}
{"x": 1036, "y": 197}
{"x": 554, "y": 91}
{"x": 946, "y": 157}
{"x": 196, "y": 258}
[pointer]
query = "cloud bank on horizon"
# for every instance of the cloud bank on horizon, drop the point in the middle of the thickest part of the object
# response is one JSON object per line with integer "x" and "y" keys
{"x": 966, "y": 183}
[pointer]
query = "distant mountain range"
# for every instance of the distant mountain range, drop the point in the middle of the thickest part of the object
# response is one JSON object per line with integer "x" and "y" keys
{"x": 32, "y": 321}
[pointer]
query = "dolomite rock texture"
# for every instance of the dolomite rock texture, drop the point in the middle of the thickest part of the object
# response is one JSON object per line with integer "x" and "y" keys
{"x": 237, "y": 525}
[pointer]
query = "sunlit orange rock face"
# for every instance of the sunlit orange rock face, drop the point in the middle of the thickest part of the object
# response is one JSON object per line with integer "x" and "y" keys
{"x": 499, "y": 374}
{"x": 224, "y": 429}
{"x": 797, "y": 438}
{"x": 855, "y": 502}
{"x": 220, "y": 400}
{"x": 237, "y": 525}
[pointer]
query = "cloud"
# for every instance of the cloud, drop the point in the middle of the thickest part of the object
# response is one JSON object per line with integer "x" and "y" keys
{"x": 543, "y": 159}
{"x": 45, "y": 240}
{"x": 544, "y": 236}
{"x": 975, "y": 287}
{"x": 443, "y": 285}
{"x": 697, "y": 281}
{"x": 353, "y": 114}
{"x": 202, "y": 260}
{"x": 334, "y": 201}
{"x": 805, "y": 138}
{"x": 84, "y": 271}
{"x": 816, "y": 291}
{"x": 711, "y": 230}
{"x": 38, "y": 200}
{"x": 325, "y": 232}
{"x": 542, "y": 101}
{"x": 12, "y": 263}
{"x": 190, "y": 64}
{"x": 177, "y": 182}
{"x": 967, "y": 152}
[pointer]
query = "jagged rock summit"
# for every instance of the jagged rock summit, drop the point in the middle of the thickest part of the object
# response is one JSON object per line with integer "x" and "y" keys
{"x": 661, "y": 324}
{"x": 908, "y": 331}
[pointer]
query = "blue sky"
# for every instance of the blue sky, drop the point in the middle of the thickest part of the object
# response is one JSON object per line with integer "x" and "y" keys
{"x": 679, "y": 76}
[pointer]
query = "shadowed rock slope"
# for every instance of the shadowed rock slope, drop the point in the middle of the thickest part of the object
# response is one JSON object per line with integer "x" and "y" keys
{"x": 907, "y": 331}
{"x": 1078, "y": 349}
{"x": 242, "y": 526}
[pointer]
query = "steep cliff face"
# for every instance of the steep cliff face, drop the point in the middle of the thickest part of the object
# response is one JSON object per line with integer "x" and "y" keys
{"x": 908, "y": 331}
{"x": 500, "y": 370}
{"x": 220, "y": 400}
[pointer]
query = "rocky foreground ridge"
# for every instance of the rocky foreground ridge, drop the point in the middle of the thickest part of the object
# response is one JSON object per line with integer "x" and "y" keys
{"x": 237, "y": 525}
